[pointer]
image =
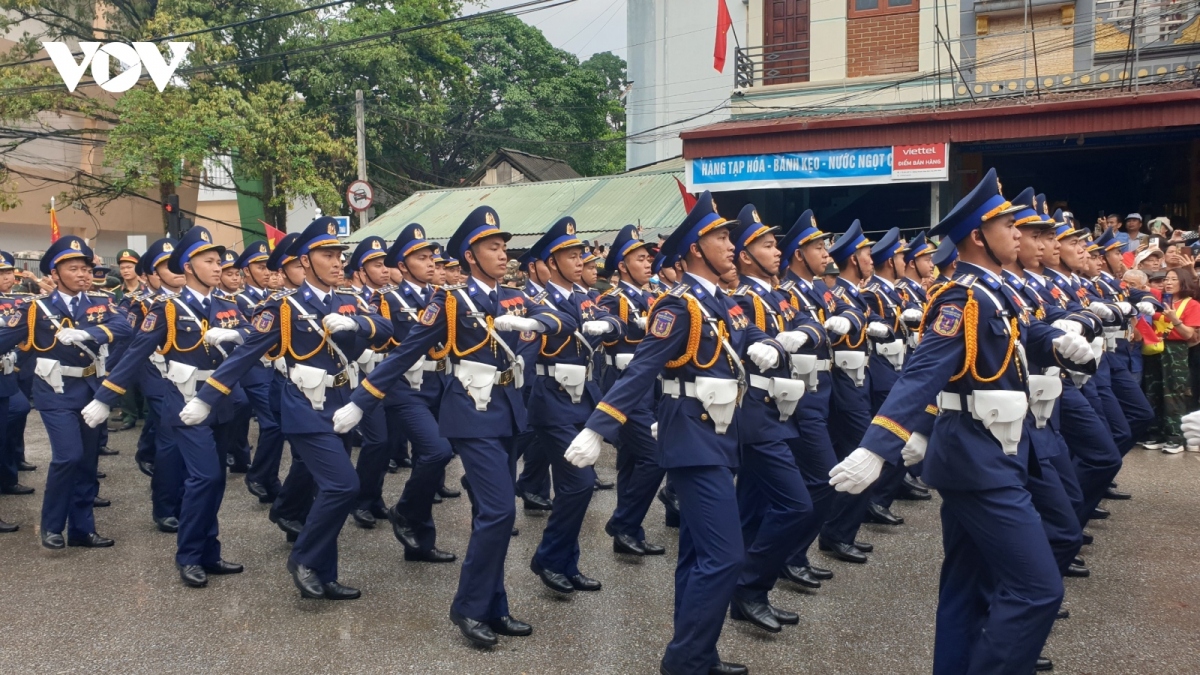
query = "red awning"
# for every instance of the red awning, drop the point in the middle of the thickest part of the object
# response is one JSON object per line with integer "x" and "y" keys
{"x": 1053, "y": 116}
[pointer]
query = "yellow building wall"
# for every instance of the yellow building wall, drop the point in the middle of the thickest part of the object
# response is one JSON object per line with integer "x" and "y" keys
{"x": 1001, "y": 53}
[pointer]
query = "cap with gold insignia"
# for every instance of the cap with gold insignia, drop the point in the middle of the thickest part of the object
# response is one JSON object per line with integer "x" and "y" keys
{"x": 127, "y": 255}
{"x": 748, "y": 228}
{"x": 66, "y": 248}
{"x": 980, "y": 205}
{"x": 887, "y": 247}
{"x": 193, "y": 242}
{"x": 410, "y": 240}
{"x": 156, "y": 254}
{"x": 228, "y": 259}
{"x": 281, "y": 254}
{"x": 701, "y": 220}
{"x": 916, "y": 247}
{"x": 7, "y": 261}
{"x": 803, "y": 231}
{"x": 320, "y": 233}
{"x": 848, "y": 243}
{"x": 256, "y": 251}
{"x": 626, "y": 242}
{"x": 479, "y": 224}
{"x": 369, "y": 248}
{"x": 560, "y": 237}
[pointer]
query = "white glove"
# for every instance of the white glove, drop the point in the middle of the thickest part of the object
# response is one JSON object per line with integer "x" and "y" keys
{"x": 839, "y": 325}
{"x": 1191, "y": 427}
{"x": 95, "y": 413}
{"x": 912, "y": 316}
{"x": 512, "y": 322}
{"x": 763, "y": 355}
{"x": 215, "y": 336}
{"x": 640, "y": 322}
{"x": 914, "y": 449}
{"x": 1068, "y": 326}
{"x": 1146, "y": 308}
{"x": 345, "y": 417}
{"x": 336, "y": 323}
{"x": 877, "y": 329}
{"x": 195, "y": 412}
{"x": 654, "y": 429}
{"x": 1126, "y": 308}
{"x": 1101, "y": 310}
{"x": 856, "y": 472}
{"x": 596, "y": 327}
{"x": 1074, "y": 348}
{"x": 792, "y": 339}
{"x": 585, "y": 449}
{"x": 71, "y": 336}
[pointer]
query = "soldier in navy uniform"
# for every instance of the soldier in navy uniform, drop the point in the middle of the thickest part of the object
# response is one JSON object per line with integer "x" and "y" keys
{"x": 945, "y": 260}
{"x": 318, "y": 332}
{"x": 481, "y": 409}
{"x": 533, "y": 483}
{"x": 192, "y": 330}
{"x": 12, "y": 400}
{"x": 918, "y": 266}
{"x": 65, "y": 329}
{"x": 1000, "y": 588}
{"x": 233, "y": 436}
{"x": 638, "y": 474}
{"x": 697, "y": 338}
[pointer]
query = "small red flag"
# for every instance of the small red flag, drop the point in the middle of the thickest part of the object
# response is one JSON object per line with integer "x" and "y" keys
{"x": 1149, "y": 335}
{"x": 724, "y": 23}
{"x": 688, "y": 200}
{"x": 274, "y": 235}
{"x": 54, "y": 231}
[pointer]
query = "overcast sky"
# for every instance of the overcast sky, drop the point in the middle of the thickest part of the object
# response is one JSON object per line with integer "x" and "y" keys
{"x": 583, "y": 27}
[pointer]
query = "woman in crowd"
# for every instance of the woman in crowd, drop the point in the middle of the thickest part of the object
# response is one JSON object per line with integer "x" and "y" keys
{"x": 1167, "y": 379}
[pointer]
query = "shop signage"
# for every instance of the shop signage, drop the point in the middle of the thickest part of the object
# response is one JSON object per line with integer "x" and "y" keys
{"x": 822, "y": 168}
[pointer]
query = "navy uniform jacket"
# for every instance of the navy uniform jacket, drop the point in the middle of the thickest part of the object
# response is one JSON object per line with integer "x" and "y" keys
{"x": 170, "y": 330}
{"x": 887, "y": 306}
{"x": 814, "y": 300}
{"x": 8, "y": 383}
{"x": 682, "y": 344}
{"x": 403, "y": 304}
{"x": 151, "y": 381}
{"x": 849, "y": 294}
{"x": 626, "y": 302}
{"x": 449, "y": 307}
{"x": 300, "y": 312}
{"x": 962, "y": 454}
{"x": 248, "y": 301}
{"x": 1051, "y": 293}
{"x": 549, "y": 404}
{"x": 912, "y": 292}
{"x": 28, "y": 325}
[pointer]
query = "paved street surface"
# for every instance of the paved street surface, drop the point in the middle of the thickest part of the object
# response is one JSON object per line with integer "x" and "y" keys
{"x": 124, "y": 610}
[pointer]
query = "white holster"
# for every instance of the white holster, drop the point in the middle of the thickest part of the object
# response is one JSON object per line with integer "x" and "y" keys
{"x": 1098, "y": 349}
{"x": 1002, "y": 413}
{"x": 804, "y": 368}
{"x": 478, "y": 379}
{"x": 368, "y": 360}
{"x": 572, "y": 378}
{"x": 853, "y": 364}
{"x": 9, "y": 363}
{"x": 719, "y": 398}
{"x": 312, "y": 382}
{"x": 416, "y": 375}
{"x": 160, "y": 363}
{"x": 1110, "y": 338}
{"x": 50, "y": 370}
{"x": 892, "y": 351}
{"x": 786, "y": 392}
{"x": 914, "y": 339}
{"x": 102, "y": 361}
{"x": 281, "y": 365}
{"x": 621, "y": 361}
{"x": 1044, "y": 390}
{"x": 185, "y": 377}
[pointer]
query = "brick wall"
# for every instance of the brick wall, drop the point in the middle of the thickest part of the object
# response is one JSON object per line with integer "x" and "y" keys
{"x": 879, "y": 45}
{"x": 1008, "y": 39}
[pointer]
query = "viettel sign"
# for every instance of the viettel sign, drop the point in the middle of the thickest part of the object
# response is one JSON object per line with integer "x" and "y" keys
{"x": 100, "y": 55}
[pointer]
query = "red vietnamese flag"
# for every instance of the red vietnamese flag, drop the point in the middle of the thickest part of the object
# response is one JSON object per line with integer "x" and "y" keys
{"x": 688, "y": 200}
{"x": 1149, "y": 335}
{"x": 54, "y": 231}
{"x": 273, "y": 234}
{"x": 724, "y": 23}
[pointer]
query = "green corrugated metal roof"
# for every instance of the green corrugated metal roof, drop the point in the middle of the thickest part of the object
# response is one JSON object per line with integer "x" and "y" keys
{"x": 600, "y": 206}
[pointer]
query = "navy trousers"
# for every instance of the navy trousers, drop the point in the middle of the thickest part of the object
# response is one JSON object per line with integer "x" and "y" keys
{"x": 573, "y": 489}
{"x": 815, "y": 456}
{"x": 481, "y": 595}
{"x": 1000, "y": 587}
{"x": 147, "y": 445}
{"x": 268, "y": 452}
{"x": 851, "y": 408}
{"x": 535, "y": 472}
{"x": 166, "y": 485}
{"x": 71, "y": 483}
{"x": 372, "y": 460}
{"x": 1051, "y": 500}
{"x": 203, "y": 490}
{"x": 296, "y": 494}
{"x": 430, "y": 455}
{"x": 775, "y": 511}
{"x": 638, "y": 478}
{"x": 325, "y": 457}
{"x": 8, "y": 457}
{"x": 1127, "y": 390}
{"x": 1110, "y": 408}
{"x": 1093, "y": 451}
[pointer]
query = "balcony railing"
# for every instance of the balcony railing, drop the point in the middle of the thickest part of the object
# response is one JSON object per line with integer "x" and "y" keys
{"x": 771, "y": 64}
{"x": 1158, "y": 22}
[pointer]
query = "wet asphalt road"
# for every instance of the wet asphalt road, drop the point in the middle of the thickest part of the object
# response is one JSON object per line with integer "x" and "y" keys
{"x": 124, "y": 610}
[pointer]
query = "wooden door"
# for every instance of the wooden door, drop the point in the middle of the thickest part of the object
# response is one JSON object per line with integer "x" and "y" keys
{"x": 785, "y": 37}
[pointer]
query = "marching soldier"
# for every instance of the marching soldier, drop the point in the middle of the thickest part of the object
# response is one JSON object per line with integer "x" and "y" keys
{"x": 14, "y": 407}
{"x": 533, "y": 483}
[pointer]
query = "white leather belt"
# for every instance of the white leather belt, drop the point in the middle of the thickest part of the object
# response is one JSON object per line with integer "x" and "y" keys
{"x": 1000, "y": 411}
{"x": 75, "y": 371}
{"x": 824, "y": 365}
{"x": 547, "y": 371}
{"x": 437, "y": 366}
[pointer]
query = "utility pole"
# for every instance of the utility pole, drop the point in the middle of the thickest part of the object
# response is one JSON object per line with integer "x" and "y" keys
{"x": 360, "y": 130}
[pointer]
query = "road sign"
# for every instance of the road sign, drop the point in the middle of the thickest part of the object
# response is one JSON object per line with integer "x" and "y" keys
{"x": 360, "y": 195}
{"x": 343, "y": 226}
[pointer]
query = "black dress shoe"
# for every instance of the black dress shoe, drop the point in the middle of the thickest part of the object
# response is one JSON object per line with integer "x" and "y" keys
{"x": 16, "y": 489}
{"x": 289, "y": 526}
{"x": 101, "y": 474}
{"x": 401, "y": 529}
{"x": 1100, "y": 514}
{"x": 1113, "y": 493}
{"x": 126, "y": 426}
{"x": 820, "y": 572}
{"x": 726, "y": 668}
{"x": 800, "y": 576}
{"x": 670, "y": 504}
{"x": 556, "y": 582}
{"x": 393, "y": 467}
{"x": 478, "y": 632}
{"x": 379, "y": 511}
{"x": 1078, "y": 560}
{"x": 257, "y": 489}
{"x": 404, "y": 462}
{"x": 515, "y": 531}
{"x": 845, "y": 552}
{"x": 437, "y": 499}
{"x": 146, "y": 468}
{"x": 912, "y": 494}
{"x": 170, "y": 524}
{"x": 91, "y": 540}
{"x": 863, "y": 546}
{"x": 603, "y": 484}
{"x": 224, "y": 567}
{"x": 193, "y": 575}
{"x": 363, "y": 518}
{"x": 882, "y": 515}
{"x": 536, "y": 502}
{"x": 584, "y": 583}
{"x": 101, "y": 502}
{"x": 1043, "y": 664}
{"x": 105, "y": 452}
{"x": 336, "y": 591}
{"x": 26, "y": 466}
{"x": 785, "y": 617}
{"x": 653, "y": 549}
{"x": 1074, "y": 570}
{"x": 5, "y": 528}
{"x": 915, "y": 483}
{"x": 506, "y": 625}
{"x": 757, "y": 613}
{"x": 1062, "y": 614}
{"x": 448, "y": 493}
{"x": 306, "y": 580}
{"x": 623, "y": 543}
{"x": 53, "y": 541}
{"x": 433, "y": 555}
{"x": 1088, "y": 539}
